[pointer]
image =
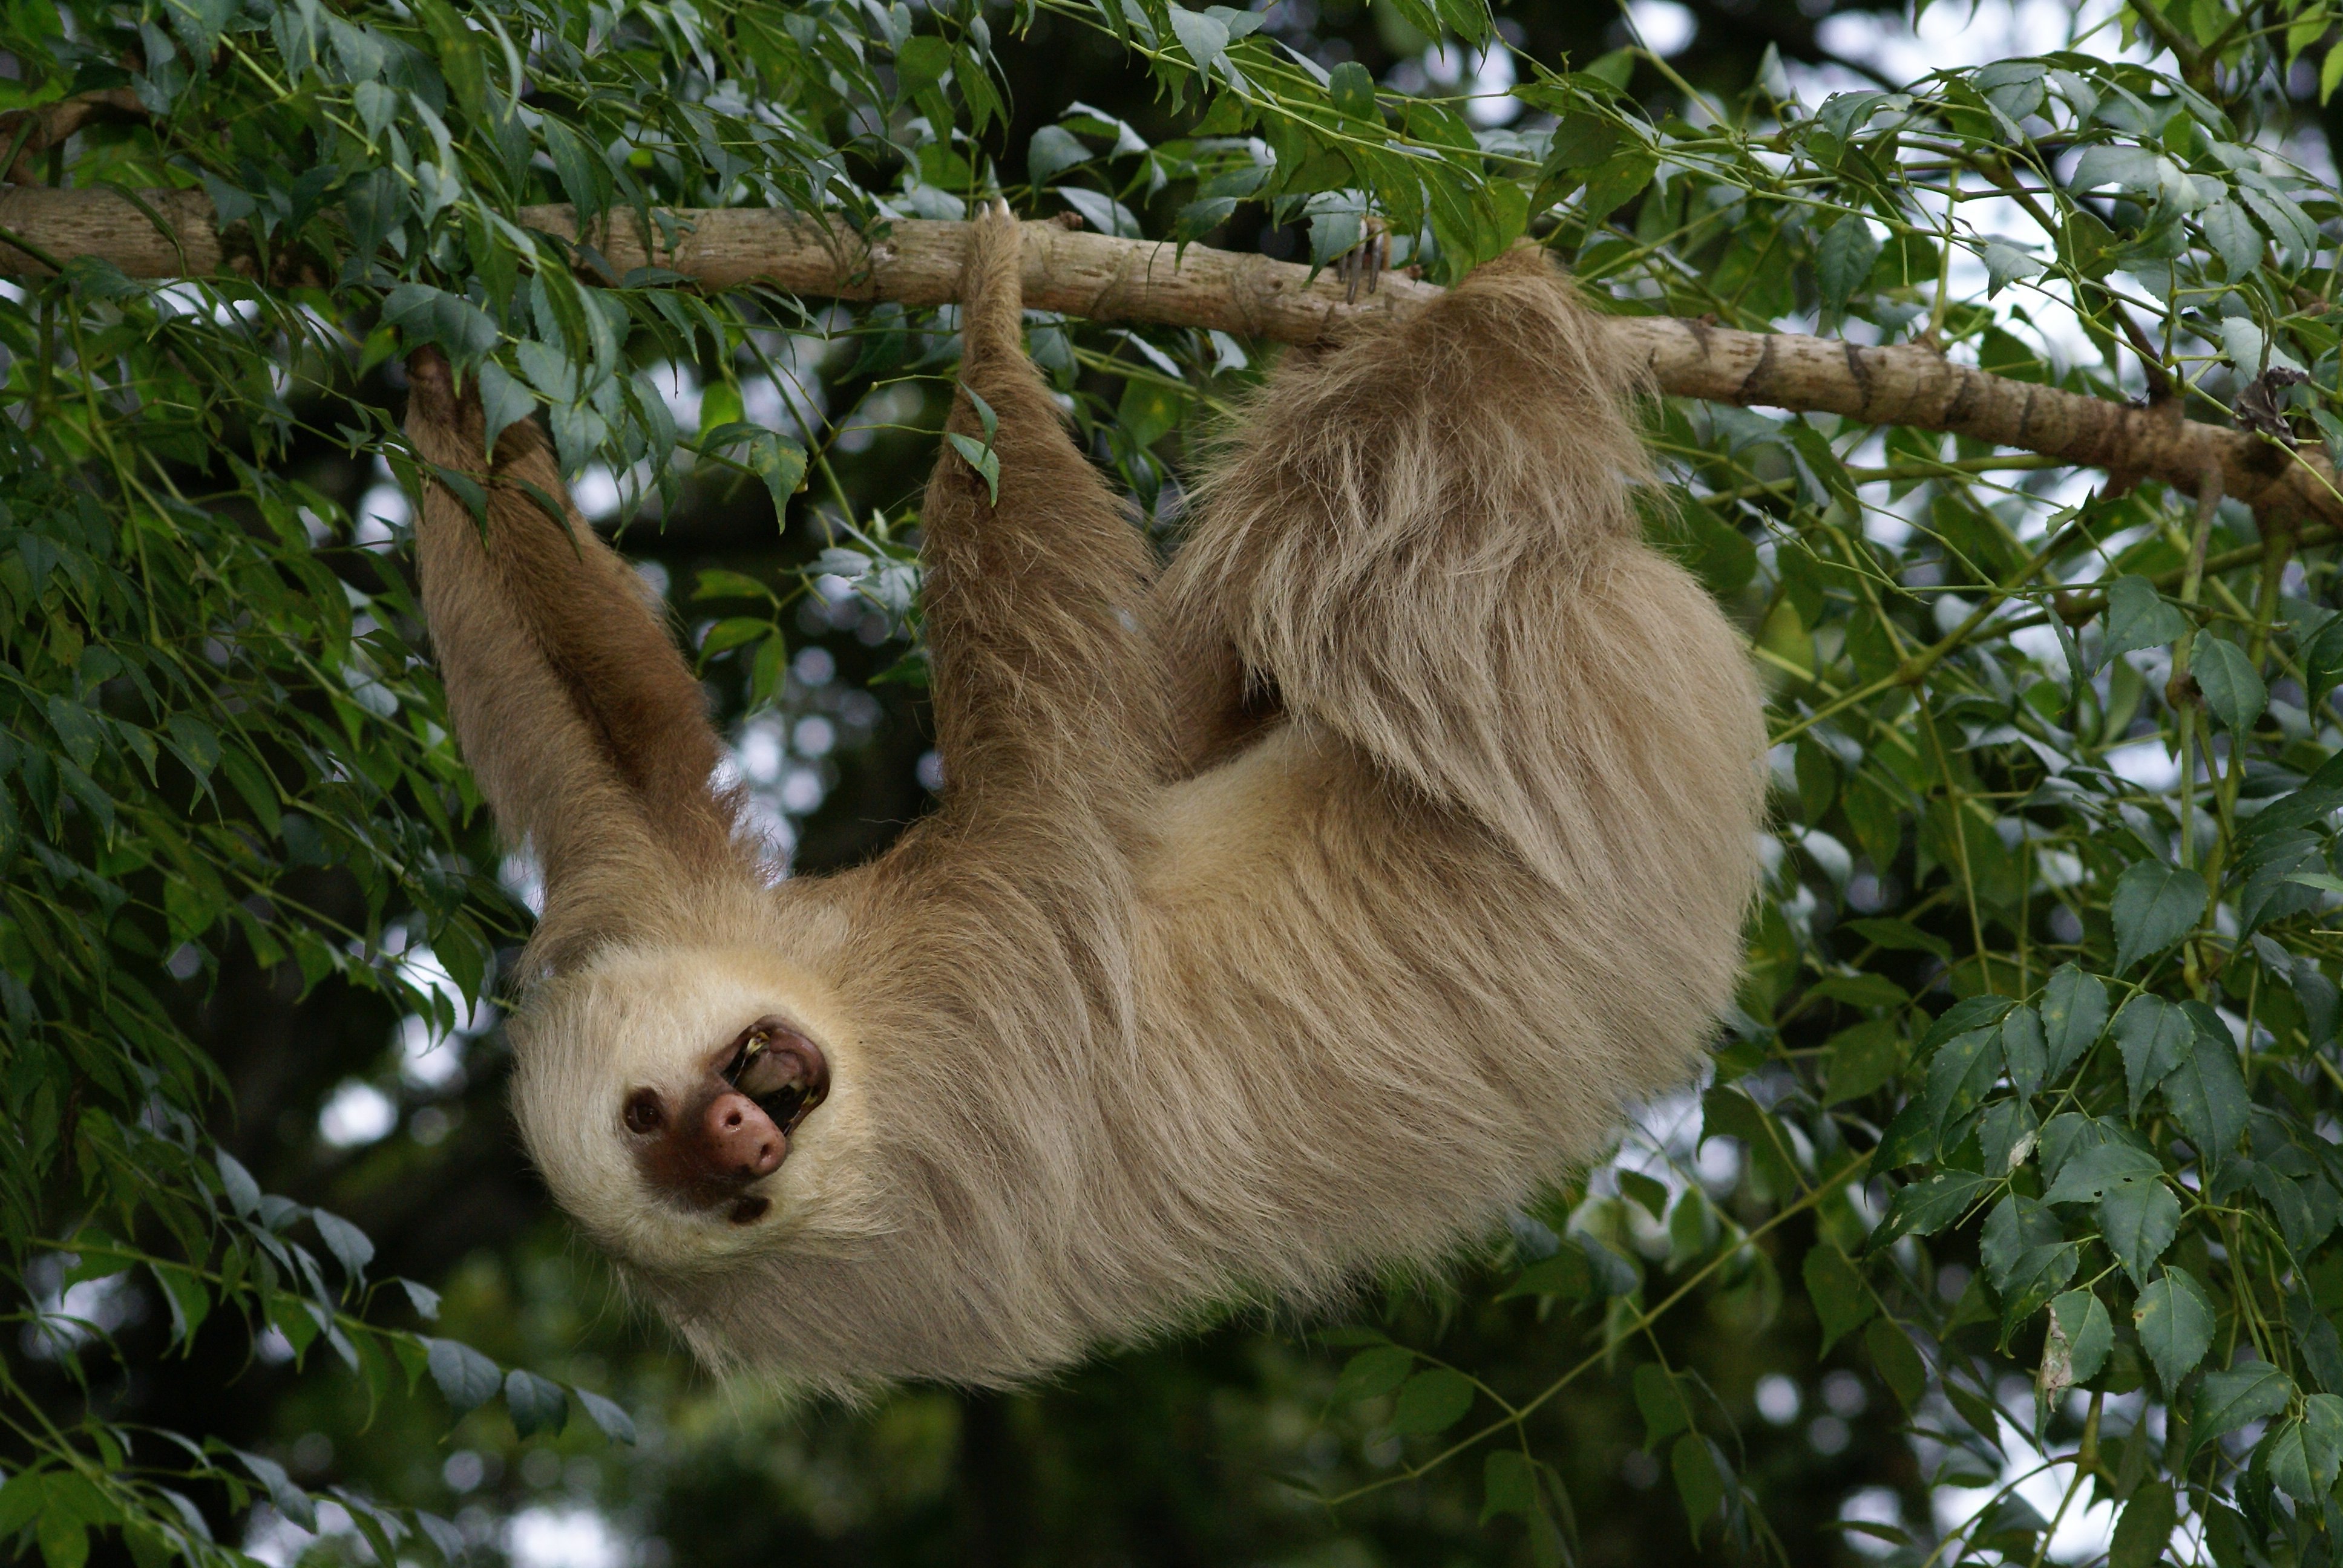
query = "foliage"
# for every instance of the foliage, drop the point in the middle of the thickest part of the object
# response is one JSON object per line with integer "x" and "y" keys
{"x": 2035, "y": 1074}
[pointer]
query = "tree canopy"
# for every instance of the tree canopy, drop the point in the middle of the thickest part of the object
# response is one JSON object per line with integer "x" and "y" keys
{"x": 2001, "y": 409}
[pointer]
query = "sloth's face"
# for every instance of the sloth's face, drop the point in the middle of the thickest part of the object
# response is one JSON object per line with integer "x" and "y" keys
{"x": 686, "y": 1108}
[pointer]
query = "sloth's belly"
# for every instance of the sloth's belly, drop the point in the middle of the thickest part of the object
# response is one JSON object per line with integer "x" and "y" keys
{"x": 1223, "y": 836}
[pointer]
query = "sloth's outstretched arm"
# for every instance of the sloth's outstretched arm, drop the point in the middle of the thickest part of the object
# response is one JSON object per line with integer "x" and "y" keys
{"x": 1046, "y": 696}
{"x": 585, "y": 728}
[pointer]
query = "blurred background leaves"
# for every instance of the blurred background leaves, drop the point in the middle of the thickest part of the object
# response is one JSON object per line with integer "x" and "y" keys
{"x": 2004, "y": 1229}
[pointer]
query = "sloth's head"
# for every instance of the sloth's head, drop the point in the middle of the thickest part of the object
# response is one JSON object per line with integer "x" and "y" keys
{"x": 686, "y": 1109}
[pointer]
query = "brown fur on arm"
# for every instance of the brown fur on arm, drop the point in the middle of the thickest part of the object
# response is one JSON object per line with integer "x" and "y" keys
{"x": 586, "y": 728}
{"x": 1046, "y": 693}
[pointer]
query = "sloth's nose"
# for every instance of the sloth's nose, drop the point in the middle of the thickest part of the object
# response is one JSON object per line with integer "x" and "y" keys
{"x": 741, "y": 1141}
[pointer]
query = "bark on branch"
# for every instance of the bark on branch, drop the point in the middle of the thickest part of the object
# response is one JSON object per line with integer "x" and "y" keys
{"x": 1111, "y": 279}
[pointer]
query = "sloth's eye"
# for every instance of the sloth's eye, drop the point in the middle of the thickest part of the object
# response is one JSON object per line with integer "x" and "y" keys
{"x": 644, "y": 1112}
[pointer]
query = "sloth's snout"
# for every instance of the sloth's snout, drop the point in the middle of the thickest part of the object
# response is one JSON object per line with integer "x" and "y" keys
{"x": 742, "y": 1140}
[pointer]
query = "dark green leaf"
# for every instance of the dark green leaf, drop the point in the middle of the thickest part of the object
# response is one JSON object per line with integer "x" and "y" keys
{"x": 537, "y": 1405}
{"x": 2138, "y": 1217}
{"x": 2226, "y": 1400}
{"x": 1843, "y": 261}
{"x": 1928, "y": 1205}
{"x": 467, "y": 1377}
{"x": 2174, "y": 1319}
{"x": 2144, "y": 1528}
{"x": 2074, "y": 1012}
{"x": 2154, "y": 1036}
{"x": 2232, "y": 688}
{"x": 2154, "y": 904}
{"x": 1841, "y": 1301}
{"x": 2138, "y": 618}
{"x": 2084, "y": 1333}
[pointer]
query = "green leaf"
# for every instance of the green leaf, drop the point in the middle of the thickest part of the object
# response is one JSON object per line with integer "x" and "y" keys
{"x": 1862, "y": 1058}
{"x": 1508, "y": 1486}
{"x": 2154, "y": 1035}
{"x": 467, "y": 1377}
{"x": 920, "y": 64}
{"x": 2090, "y": 1173}
{"x": 616, "y": 1423}
{"x": 1352, "y": 90}
{"x": 2074, "y": 1012}
{"x": 1616, "y": 181}
{"x": 2205, "y": 1089}
{"x": 1372, "y": 1374}
{"x": 2232, "y": 688}
{"x": 2226, "y": 1400}
{"x": 2084, "y": 1332}
{"x": 1960, "y": 1074}
{"x": 1700, "y": 1475}
{"x": 2138, "y": 1217}
{"x": 2137, "y": 618}
{"x": 1841, "y": 1301}
{"x": 1659, "y": 1396}
{"x": 20, "y": 1500}
{"x": 504, "y": 402}
{"x": 290, "y": 1500}
{"x": 2145, "y": 1530}
{"x": 536, "y": 1404}
{"x": 2024, "y": 1051}
{"x": 348, "y": 1243}
{"x": 1052, "y": 150}
{"x": 2231, "y": 234}
{"x": 2306, "y": 1455}
{"x": 2155, "y": 904}
{"x": 1843, "y": 261}
{"x": 1433, "y": 1400}
{"x": 1899, "y": 1363}
{"x": 2174, "y": 1319}
{"x": 1928, "y": 1205}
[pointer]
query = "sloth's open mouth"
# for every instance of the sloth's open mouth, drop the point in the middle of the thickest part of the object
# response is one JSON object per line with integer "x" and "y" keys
{"x": 782, "y": 1070}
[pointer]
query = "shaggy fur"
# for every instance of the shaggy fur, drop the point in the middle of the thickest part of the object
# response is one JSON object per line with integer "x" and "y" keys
{"x": 1291, "y": 911}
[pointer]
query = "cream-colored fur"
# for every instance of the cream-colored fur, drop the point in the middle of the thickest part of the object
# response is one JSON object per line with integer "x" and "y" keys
{"x": 1182, "y": 994}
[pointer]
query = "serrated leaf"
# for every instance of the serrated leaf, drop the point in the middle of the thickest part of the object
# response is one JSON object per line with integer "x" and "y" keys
{"x": 1843, "y": 261}
{"x": 2145, "y": 1530}
{"x": 2306, "y": 1455}
{"x": 2024, "y": 1049}
{"x": 2085, "y": 1334}
{"x": 2230, "y": 230}
{"x": 2232, "y": 688}
{"x": 1928, "y": 1205}
{"x": 1899, "y": 1363}
{"x": 2226, "y": 1400}
{"x": 2090, "y": 1173}
{"x": 2174, "y": 1319}
{"x": 2074, "y": 1012}
{"x": 2154, "y": 904}
{"x": 2137, "y": 618}
{"x": 2153, "y": 1035}
{"x": 2138, "y": 1217}
{"x": 2207, "y": 1091}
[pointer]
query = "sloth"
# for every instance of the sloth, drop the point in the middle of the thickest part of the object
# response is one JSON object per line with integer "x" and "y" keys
{"x": 1289, "y": 912}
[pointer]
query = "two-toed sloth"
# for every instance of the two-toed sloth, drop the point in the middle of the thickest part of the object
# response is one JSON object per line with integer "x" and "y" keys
{"x": 1289, "y": 910}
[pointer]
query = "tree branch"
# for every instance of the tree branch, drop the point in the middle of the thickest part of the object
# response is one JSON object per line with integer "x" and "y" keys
{"x": 918, "y": 263}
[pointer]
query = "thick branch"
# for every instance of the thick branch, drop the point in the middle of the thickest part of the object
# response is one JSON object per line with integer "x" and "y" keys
{"x": 1111, "y": 279}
